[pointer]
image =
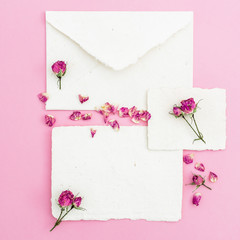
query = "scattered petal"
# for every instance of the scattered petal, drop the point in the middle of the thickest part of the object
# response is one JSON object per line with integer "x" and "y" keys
{"x": 50, "y": 120}
{"x": 114, "y": 124}
{"x": 123, "y": 112}
{"x": 136, "y": 117}
{"x": 188, "y": 158}
{"x": 196, "y": 198}
{"x": 200, "y": 167}
{"x": 93, "y": 132}
{"x": 83, "y": 99}
{"x": 132, "y": 111}
{"x": 75, "y": 116}
{"x": 43, "y": 97}
{"x": 86, "y": 116}
{"x": 213, "y": 177}
{"x": 145, "y": 115}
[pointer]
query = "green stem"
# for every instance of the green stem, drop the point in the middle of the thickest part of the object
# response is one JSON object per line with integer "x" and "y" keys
{"x": 60, "y": 83}
{"x": 200, "y": 134}
{"x": 190, "y": 126}
{"x": 206, "y": 186}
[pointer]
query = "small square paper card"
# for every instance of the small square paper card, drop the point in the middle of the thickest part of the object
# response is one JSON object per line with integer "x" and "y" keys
{"x": 165, "y": 132}
{"x": 115, "y": 173}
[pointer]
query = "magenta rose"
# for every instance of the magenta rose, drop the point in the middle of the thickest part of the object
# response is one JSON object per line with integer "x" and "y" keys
{"x": 198, "y": 180}
{"x": 188, "y": 105}
{"x": 77, "y": 202}
{"x": 177, "y": 111}
{"x": 196, "y": 198}
{"x": 59, "y": 68}
{"x": 66, "y": 198}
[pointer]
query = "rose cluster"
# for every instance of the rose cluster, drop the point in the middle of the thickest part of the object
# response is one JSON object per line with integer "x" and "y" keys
{"x": 187, "y": 107}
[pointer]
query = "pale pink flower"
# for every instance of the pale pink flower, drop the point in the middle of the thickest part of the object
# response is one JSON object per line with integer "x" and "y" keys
{"x": 200, "y": 167}
{"x": 50, "y": 120}
{"x": 213, "y": 177}
{"x": 43, "y": 97}
{"x": 188, "y": 158}
{"x": 83, "y": 99}
{"x": 77, "y": 202}
{"x": 75, "y": 116}
{"x": 66, "y": 198}
{"x": 114, "y": 124}
{"x": 93, "y": 132}
{"x": 86, "y": 116}
{"x": 196, "y": 198}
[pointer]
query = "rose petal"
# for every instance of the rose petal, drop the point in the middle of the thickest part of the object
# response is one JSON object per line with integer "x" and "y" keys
{"x": 43, "y": 97}
{"x": 196, "y": 198}
{"x": 145, "y": 115}
{"x": 75, "y": 116}
{"x": 86, "y": 116}
{"x": 114, "y": 124}
{"x": 188, "y": 158}
{"x": 132, "y": 111}
{"x": 93, "y": 132}
{"x": 200, "y": 167}
{"x": 123, "y": 112}
{"x": 83, "y": 99}
{"x": 50, "y": 120}
{"x": 213, "y": 177}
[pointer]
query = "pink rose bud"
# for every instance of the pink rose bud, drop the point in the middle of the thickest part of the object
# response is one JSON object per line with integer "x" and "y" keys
{"x": 188, "y": 158}
{"x": 188, "y": 106}
{"x": 196, "y": 198}
{"x": 93, "y": 132}
{"x": 50, "y": 120}
{"x": 114, "y": 124}
{"x": 75, "y": 116}
{"x": 213, "y": 177}
{"x": 123, "y": 112}
{"x": 86, "y": 116}
{"x": 200, "y": 167}
{"x": 66, "y": 198}
{"x": 77, "y": 202}
{"x": 83, "y": 99}
{"x": 43, "y": 97}
{"x": 59, "y": 68}
{"x": 198, "y": 180}
{"x": 177, "y": 111}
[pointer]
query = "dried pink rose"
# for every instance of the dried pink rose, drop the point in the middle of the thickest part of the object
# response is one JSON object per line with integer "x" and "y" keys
{"x": 83, "y": 99}
{"x": 75, "y": 116}
{"x": 177, "y": 111}
{"x": 196, "y": 198}
{"x": 114, "y": 124}
{"x": 59, "y": 68}
{"x": 86, "y": 116}
{"x": 198, "y": 180}
{"x": 50, "y": 120}
{"x": 200, "y": 167}
{"x": 93, "y": 132}
{"x": 213, "y": 177}
{"x": 188, "y": 158}
{"x": 66, "y": 198}
{"x": 123, "y": 112}
{"x": 43, "y": 97}
{"x": 145, "y": 115}
{"x": 77, "y": 202}
{"x": 188, "y": 106}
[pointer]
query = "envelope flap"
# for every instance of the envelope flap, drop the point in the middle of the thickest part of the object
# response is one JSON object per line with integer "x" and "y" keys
{"x": 118, "y": 39}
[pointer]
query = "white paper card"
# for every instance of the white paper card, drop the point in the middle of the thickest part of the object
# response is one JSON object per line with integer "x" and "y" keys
{"x": 117, "y": 56}
{"x": 165, "y": 132}
{"x": 116, "y": 174}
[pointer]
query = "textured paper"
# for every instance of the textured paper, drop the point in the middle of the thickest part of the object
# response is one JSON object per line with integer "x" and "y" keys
{"x": 116, "y": 174}
{"x": 117, "y": 56}
{"x": 165, "y": 132}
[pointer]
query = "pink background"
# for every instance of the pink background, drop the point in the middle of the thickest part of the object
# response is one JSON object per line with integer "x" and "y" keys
{"x": 25, "y": 173}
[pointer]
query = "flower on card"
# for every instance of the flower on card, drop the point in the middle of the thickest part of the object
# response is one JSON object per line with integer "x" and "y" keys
{"x": 188, "y": 106}
{"x": 93, "y": 132}
{"x": 188, "y": 158}
{"x": 123, "y": 112}
{"x": 196, "y": 198}
{"x": 86, "y": 116}
{"x": 75, "y": 116}
{"x": 59, "y": 69}
{"x": 213, "y": 177}
{"x": 50, "y": 120}
{"x": 43, "y": 97}
{"x": 83, "y": 99}
{"x": 67, "y": 202}
{"x": 66, "y": 198}
{"x": 114, "y": 124}
{"x": 200, "y": 167}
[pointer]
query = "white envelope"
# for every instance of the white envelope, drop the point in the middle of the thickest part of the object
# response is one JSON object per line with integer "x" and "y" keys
{"x": 165, "y": 132}
{"x": 115, "y": 173}
{"x": 117, "y": 56}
